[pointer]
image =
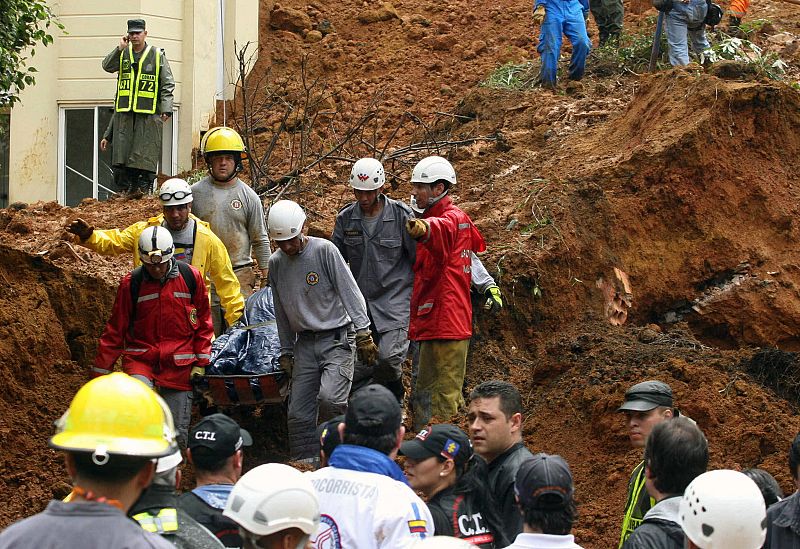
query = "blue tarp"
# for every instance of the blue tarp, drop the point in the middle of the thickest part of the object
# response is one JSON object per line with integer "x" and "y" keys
{"x": 251, "y": 346}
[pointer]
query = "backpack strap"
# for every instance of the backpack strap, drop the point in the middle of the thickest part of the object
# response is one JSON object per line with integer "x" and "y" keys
{"x": 137, "y": 275}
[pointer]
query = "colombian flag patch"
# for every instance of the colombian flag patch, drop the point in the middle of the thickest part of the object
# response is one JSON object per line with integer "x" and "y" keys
{"x": 417, "y": 526}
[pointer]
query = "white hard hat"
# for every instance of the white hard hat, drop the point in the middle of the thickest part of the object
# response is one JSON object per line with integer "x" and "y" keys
{"x": 171, "y": 461}
{"x": 272, "y": 498}
{"x": 285, "y": 220}
{"x": 155, "y": 245}
{"x": 175, "y": 192}
{"x": 723, "y": 509}
{"x": 367, "y": 175}
{"x": 444, "y": 542}
{"x": 432, "y": 169}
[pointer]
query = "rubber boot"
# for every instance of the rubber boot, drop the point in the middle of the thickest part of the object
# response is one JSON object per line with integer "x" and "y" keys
{"x": 397, "y": 389}
{"x": 734, "y": 27}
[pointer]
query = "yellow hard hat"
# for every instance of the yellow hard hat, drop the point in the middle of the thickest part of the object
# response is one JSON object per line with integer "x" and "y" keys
{"x": 222, "y": 140}
{"x": 116, "y": 414}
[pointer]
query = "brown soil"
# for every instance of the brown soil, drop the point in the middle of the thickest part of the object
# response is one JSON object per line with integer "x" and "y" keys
{"x": 681, "y": 185}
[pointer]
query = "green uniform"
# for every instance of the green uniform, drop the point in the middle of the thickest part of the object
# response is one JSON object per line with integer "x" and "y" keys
{"x": 136, "y": 136}
{"x": 608, "y": 16}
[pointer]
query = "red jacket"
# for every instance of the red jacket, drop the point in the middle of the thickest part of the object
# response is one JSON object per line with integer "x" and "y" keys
{"x": 171, "y": 332}
{"x": 440, "y": 302}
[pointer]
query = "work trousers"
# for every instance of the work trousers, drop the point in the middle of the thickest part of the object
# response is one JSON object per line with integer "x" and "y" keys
{"x": 321, "y": 379}
{"x": 392, "y": 352}
{"x": 608, "y": 15}
{"x": 247, "y": 284}
{"x": 179, "y": 403}
{"x": 437, "y": 393}
{"x": 678, "y": 23}
{"x": 563, "y": 18}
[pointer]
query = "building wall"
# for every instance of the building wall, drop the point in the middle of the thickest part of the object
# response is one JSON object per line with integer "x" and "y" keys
{"x": 70, "y": 73}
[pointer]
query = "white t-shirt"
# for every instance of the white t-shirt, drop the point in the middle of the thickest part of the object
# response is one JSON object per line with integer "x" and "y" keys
{"x": 367, "y": 510}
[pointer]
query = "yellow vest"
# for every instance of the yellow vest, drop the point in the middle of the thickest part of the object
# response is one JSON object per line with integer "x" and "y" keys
{"x": 637, "y": 504}
{"x": 139, "y": 95}
{"x": 164, "y": 522}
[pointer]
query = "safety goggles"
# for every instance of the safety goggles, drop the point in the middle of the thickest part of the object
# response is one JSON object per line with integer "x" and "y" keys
{"x": 177, "y": 195}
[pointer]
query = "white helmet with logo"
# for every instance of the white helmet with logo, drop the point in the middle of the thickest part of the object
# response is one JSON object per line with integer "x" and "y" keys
{"x": 271, "y": 498}
{"x": 285, "y": 220}
{"x": 155, "y": 245}
{"x": 432, "y": 169}
{"x": 175, "y": 192}
{"x": 367, "y": 175}
{"x": 723, "y": 509}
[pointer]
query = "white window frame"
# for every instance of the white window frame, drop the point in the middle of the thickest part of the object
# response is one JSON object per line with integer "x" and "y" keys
{"x": 62, "y": 108}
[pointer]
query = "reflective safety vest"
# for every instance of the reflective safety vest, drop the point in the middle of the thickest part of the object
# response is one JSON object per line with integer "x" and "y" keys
{"x": 639, "y": 502}
{"x": 164, "y": 522}
{"x": 139, "y": 95}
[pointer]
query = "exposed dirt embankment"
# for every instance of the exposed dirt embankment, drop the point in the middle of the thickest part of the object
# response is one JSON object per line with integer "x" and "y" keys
{"x": 49, "y": 322}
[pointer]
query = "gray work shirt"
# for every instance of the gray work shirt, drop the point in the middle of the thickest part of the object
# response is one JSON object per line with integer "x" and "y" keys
{"x": 87, "y": 525}
{"x": 381, "y": 262}
{"x": 236, "y": 216}
{"x": 314, "y": 291}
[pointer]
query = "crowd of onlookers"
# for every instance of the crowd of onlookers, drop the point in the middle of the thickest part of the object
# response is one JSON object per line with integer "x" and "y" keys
{"x": 478, "y": 488}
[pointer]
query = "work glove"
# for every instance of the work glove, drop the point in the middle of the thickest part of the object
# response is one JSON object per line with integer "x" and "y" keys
{"x": 81, "y": 228}
{"x": 417, "y": 228}
{"x": 197, "y": 371}
{"x": 365, "y": 348}
{"x": 287, "y": 363}
{"x": 539, "y": 13}
{"x": 494, "y": 299}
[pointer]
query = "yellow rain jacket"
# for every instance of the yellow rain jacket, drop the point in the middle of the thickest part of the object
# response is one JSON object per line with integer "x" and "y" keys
{"x": 209, "y": 257}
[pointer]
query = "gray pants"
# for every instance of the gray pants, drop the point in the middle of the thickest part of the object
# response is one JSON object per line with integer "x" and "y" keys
{"x": 321, "y": 379}
{"x": 392, "y": 352}
{"x": 180, "y": 404}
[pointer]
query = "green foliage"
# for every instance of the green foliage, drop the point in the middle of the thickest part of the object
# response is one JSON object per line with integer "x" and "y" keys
{"x": 195, "y": 176}
{"x": 631, "y": 54}
{"x": 767, "y": 64}
{"x": 23, "y": 25}
{"x": 512, "y": 76}
{"x": 750, "y": 26}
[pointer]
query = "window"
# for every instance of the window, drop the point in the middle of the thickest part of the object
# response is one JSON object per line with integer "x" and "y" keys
{"x": 5, "y": 138}
{"x": 84, "y": 170}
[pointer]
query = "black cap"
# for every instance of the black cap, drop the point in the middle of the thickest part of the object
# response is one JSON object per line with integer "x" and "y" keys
{"x": 218, "y": 435}
{"x": 444, "y": 440}
{"x": 544, "y": 482}
{"x": 136, "y": 25}
{"x": 328, "y": 434}
{"x": 645, "y": 396}
{"x": 373, "y": 411}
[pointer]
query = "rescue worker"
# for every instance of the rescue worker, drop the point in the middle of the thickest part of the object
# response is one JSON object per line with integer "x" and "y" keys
{"x": 363, "y": 497}
{"x": 143, "y": 103}
{"x": 275, "y": 506}
{"x": 495, "y": 429}
{"x": 156, "y": 510}
{"x": 161, "y": 326}
{"x": 235, "y": 213}
{"x": 441, "y": 311}
{"x": 545, "y": 495}
{"x": 782, "y": 516}
{"x": 216, "y": 449}
{"x": 646, "y": 405}
{"x": 723, "y": 508}
{"x": 370, "y": 234}
{"x": 675, "y": 454}
{"x": 195, "y": 243}
{"x": 557, "y": 17}
{"x": 608, "y": 15}
{"x": 439, "y": 465}
{"x": 736, "y": 12}
{"x": 111, "y": 434}
{"x": 685, "y": 30}
{"x": 322, "y": 322}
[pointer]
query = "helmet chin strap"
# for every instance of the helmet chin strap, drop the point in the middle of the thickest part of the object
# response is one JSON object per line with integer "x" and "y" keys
{"x": 436, "y": 199}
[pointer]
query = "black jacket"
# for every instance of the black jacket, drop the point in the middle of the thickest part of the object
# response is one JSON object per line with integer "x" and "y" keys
{"x": 457, "y": 515}
{"x": 226, "y": 530}
{"x": 659, "y": 529}
{"x": 783, "y": 524}
{"x": 189, "y": 534}
{"x": 502, "y": 473}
